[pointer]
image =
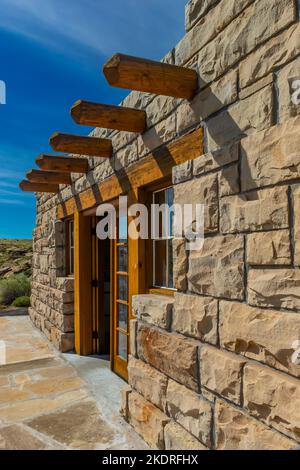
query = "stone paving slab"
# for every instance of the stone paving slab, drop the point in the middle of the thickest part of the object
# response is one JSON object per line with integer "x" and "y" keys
{"x": 52, "y": 401}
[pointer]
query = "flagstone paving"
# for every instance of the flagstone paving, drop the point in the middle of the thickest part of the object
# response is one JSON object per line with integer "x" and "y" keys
{"x": 52, "y": 401}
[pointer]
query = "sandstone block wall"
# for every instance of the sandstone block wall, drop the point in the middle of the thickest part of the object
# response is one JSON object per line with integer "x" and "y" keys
{"x": 211, "y": 368}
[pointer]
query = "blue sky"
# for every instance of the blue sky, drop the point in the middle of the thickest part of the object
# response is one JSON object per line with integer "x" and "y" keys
{"x": 51, "y": 54}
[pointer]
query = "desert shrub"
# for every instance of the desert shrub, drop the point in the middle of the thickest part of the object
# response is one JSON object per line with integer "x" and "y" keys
{"x": 23, "y": 301}
{"x": 15, "y": 286}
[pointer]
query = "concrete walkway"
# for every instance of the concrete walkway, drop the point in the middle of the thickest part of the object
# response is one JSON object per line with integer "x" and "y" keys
{"x": 58, "y": 401}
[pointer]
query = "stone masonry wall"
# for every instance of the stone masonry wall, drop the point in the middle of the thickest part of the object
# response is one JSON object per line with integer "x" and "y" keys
{"x": 213, "y": 367}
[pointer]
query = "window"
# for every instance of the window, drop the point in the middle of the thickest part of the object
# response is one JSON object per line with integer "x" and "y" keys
{"x": 162, "y": 243}
{"x": 70, "y": 247}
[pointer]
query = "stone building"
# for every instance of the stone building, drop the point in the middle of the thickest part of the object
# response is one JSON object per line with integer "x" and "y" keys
{"x": 207, "y": 339}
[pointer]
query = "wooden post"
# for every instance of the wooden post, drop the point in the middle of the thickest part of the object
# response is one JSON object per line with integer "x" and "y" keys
{"x": 29, "y": 187}
{"x": 82, "y": 284}
{"x": 48, "y": 177}
{"x": 62, "y": 164}
{"x": 81, "y": 145}
{"x": 133, "y": 73}
{"x": 109, "y": 117}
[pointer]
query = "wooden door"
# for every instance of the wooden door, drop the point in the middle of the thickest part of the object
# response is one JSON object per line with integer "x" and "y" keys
{"x": 120, "y": 300}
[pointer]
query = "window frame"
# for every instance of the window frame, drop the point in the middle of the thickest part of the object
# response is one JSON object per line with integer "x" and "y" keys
{"x": 69, "y": 247}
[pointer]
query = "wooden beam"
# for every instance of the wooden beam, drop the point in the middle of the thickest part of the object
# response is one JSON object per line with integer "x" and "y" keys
{"x": 62, "y": 164}
{"x": 133, "y": 73}
{"x": 51, "y": 177}
{"x": 153, "y": 168}
{"x": 29, "y": 187}
{"x": 81, "y": 145}
{"x": 109, "y": 117}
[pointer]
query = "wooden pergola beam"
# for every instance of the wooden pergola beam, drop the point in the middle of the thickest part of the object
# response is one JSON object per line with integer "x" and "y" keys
{"x": 29, "y": 187}
{"x": 51, "y": 177}
{"x": 109, "y": 117}
{"x": 62, "y": 164}
{"x": 81, "y": 145}
{"x": 134, "y": 73}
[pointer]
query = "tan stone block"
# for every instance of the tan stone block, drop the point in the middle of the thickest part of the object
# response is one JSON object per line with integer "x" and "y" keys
{"x": 53, "y": 385}
{"x": 147, "y": 420}
{"x": 183, "y": 172}
{"x": 286, "y": 77}
{"x": 229, "y": 180}
{"x": 126, "y": 156}
{"x": 196, "y": 316}
{"x": 202, "y": 190}
{"x": 190, "y": 411}
{"x": 271, "y": 156}
{"x": 148, "y": 382}
{"x": 195, "y": 9}
{"x": 172, "y": 354}
{"x": 180, "y": 264}
{"x": 266, "y": 209}
{"x": 221, "y": 372}
{"x": 279, "y": 288}
{"x": 213, "y": 160}
{"x": 269, "y": 248}
{"x": 153, "y": 309}
{"x": 259, "y": 22}
{"x": 264, "y": 335}
{"x": 237, "y": 431}
{"x": 250, "y": 90}
{"x": 220, "y": 94}
{"x": 157, "y": 136}
{"x": 272, "y": 55}
{"x": 296, "y": 207}
{"x": 246, "y": 117}
{"x": 177, "y": 438}
{"x": 218, "y": 269}
{"x": 133, "y": 332}
{"x": 18, "y": 438}
{"x": 12, "y": 396}
{"x": 273, "y": 398}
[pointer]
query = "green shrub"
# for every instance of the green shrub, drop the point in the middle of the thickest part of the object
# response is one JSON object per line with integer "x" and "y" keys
{"x": 14, "y": 287}
{"x": 23, "y": 301}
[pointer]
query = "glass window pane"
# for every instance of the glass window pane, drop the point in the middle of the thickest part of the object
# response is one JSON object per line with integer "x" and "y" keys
{"x": 160, "y": 269}
{"x": 123, "y": 229}
{"x": 122, "y": 316}
{"x": 122, "y": 288}
{"x": 122, "y": 258}
{"x": 122, "y": 345}
{"x": 170, "y": 265}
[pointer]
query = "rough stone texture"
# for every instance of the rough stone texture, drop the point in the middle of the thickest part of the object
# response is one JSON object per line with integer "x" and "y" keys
{"x": 286, "y": 77}
{"x": 264, "y": 335}
{"x": 269, "y": 248}
{"x": 273, "y": 398}
{"x": 177, "y": 438}
{"x": 191, "y": 411}
{"x": 255, "y": 25}
{"x": 221, "y": 372}
{"x": 296, "y": 204}
{"x": 271, "y": 156}
{"x": 153, "y": 309}
{"x": 237, "y": 431}
{"x": 196, "y": 316}
{"x": 183, "y": 172}
{"x": 279, "y": 288}
{"x": 254, "y": 211}
{"x": 218, "y": 269}
{"x": 213, "y": 160}
{"x": 229, "y": 180}
{"x": 133, "y": 332}
{"x": 243, "y": 118}
{"x": 180, "y": 264}
{"x": 147, "y": 420}
{"x": 251, "y": 89}
{"x": 201, "y": 191}
{"x": 275, "y": 53}
{"x": 195, "y": 10}
{"x": 148, "y": 382}
{"x": 207, "y": 102}
{"x": 172, "y": 354}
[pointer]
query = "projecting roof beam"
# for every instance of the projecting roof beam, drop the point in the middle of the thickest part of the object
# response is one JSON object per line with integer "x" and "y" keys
{"x": 62, "y": 164}
{"x": 29, "y": 187}
{"x": 81, "y": 145}
{"x": 48, "y": 177}
{"x": 109, "y": 117}
{"x": 133, "y": 73}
